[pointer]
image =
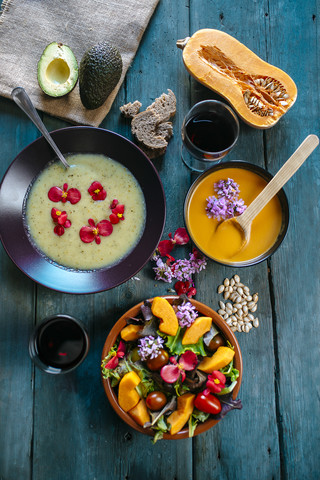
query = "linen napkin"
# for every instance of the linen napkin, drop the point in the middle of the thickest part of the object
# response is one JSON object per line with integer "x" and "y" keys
{"x": 28, "y": 26}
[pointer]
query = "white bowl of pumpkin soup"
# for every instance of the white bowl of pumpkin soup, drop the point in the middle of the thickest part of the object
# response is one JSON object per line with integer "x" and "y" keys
{"x": 224, "y": 191}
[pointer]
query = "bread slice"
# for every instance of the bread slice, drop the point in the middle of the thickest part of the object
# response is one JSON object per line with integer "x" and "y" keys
{"x": 164, "y": 106}
{"x": 144, "y": 127}
{"x": 130, "y": 109}
{"x": 152, "y": 128}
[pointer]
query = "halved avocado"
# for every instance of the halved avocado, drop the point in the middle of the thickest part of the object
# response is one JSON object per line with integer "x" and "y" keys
{"x": 57, "y": 70}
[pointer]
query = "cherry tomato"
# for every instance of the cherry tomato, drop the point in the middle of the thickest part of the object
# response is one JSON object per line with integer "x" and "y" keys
{"x": 135, "y": 357}
{"x": 207, "y": 403}
{"x": 216, "y": 342}
{"x": 156, "y": 400}
{"x": 158, "y": 362}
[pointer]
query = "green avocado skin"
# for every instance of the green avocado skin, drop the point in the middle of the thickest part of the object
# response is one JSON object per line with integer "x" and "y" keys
{"x": 100, "y": 71}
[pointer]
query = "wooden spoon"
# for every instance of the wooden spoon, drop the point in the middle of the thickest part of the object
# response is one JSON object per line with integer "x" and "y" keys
{"x": 243, "y": 222}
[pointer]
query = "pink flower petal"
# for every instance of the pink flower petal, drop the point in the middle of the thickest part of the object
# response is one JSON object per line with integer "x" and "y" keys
{"x": 55, "y": 194}
{"x": 61, "y": 219}
{"x": 170, "y": 373}
{"x": 59, "y": 230}
{"x": 73, "y": 196}
{"x": 113, "y": 363}
{"x": 114, "y": 203}
{"x": 165, "y": 247}
{"x": 114, "y": 218}
{"x": 181, "y": 237}
{"x": 121, "y": 348}
{"x": 97, "y": 239}
{"x": 67, "y": 224}
{"x": 86, "y": 234}
{"x": 105, "y": 228}
{"x": 97, "y": 191}
{"x": 91, "y": 222}
{"x": 188, "y": 360}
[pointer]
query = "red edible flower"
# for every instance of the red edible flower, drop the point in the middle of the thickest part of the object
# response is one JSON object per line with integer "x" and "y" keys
{"x": 180, "y": 238}
{"x": 61, "y": 219}
{"x": 93, "y": 231}
{"x": 117, "y": 212}
{"x": 185, "y": 288}
{"x": 171, "y": 372}
{"x": 56, "y": 194}
{"x": 215, "y": 383}
{"x": 114, "y": 361}
{"x": 97, "y": 191}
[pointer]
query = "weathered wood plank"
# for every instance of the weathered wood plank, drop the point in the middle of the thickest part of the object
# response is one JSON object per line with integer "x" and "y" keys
{"x": 16, "y": 323}
{"x": 236, "y": 447}
{"x": 81, "y": 414}
{"x": 295, "y": 267}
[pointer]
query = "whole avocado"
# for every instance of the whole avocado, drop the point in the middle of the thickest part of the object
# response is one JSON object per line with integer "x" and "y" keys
{"x": 100, "y": 71}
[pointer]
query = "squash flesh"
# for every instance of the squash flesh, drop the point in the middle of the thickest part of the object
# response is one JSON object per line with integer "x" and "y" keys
{"x": 162, "y": 309}
{"x": 179, "y": 417}
{"x": 226, "y": 66}
{"x": 130, "y": 333}
{"x": 199, "y": 327}
{"x": 140, "y": 413}
{"x": 128, "y": 396}
{"x": 219, "y": 359}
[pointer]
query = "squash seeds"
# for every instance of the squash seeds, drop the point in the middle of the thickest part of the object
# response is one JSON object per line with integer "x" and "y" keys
{"x": 238, "y": 314}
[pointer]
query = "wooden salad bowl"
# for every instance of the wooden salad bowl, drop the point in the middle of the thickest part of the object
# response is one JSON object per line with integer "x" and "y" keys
{"x": 111, "y": 394}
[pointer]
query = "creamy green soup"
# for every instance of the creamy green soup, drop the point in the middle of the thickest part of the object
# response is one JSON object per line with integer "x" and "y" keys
{"x": 68, "y": 249}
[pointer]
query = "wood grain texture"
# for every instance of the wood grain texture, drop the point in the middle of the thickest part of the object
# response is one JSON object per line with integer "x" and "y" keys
{"x": 62, "y": 427}
{"x": 16, "y": 323}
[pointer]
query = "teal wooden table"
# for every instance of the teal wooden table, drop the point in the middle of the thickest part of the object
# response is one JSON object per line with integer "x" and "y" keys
{"x": 63, "y": 428}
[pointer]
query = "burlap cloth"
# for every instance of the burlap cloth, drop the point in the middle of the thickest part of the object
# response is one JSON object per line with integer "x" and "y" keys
{"x": 28, "y": 26}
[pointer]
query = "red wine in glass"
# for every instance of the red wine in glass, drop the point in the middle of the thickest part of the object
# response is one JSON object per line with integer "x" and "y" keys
{"x": 59, "y": 344}
{"x": 210, "y": 132}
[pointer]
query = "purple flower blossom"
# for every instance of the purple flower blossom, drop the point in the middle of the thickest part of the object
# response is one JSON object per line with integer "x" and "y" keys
{"x": 227, "y": 188}
{"x": 227, "y": 204}
{"x": 183, "y": 270}
{"x": 186, "y": 314}
{"x": 163, "y": 270}
{"x": 149, "y": 347}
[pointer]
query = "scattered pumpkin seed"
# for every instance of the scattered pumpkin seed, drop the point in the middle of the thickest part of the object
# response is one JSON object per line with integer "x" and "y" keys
{"x": 238, "y": 311}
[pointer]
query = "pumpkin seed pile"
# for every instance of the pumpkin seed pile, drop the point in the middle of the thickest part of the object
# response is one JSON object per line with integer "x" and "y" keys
{"x": 238, "y": 311}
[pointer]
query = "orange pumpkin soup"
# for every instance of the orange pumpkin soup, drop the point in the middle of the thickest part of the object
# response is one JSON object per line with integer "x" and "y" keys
{"x": 223, "y": 245}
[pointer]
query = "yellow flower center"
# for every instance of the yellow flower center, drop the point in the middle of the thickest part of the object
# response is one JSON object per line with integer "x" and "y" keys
{"x": 58, "y": 213}
{"x": 95, "y": 231}
{"x": 97, "y": 191}
{"x": 216, "y": 381}
{"x": 120, "y": 215}
{"x": 64, "y": 194}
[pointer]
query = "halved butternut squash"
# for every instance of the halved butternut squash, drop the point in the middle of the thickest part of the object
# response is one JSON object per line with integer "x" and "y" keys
{"x": 162, "y": 309}
{"x": 219, "y": 359}
{"x": 179, "y": 417}
{"x": 200, "y": 326}
{"x": 259, "y": 92}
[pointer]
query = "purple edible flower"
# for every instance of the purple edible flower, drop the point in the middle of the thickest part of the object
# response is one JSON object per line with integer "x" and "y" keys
{"x": 227, "y": 188}
{"x": 227, "y": 204}
{"x": 149, "y": 347}
{"x": 163, "y": 270}
{"x": 186, "y": 314}
{"x": 183, "y": 270}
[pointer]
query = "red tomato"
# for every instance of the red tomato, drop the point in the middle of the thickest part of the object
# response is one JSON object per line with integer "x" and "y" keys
{"x": 156, "y": 400}
{"x": 158, "y": 362}
{"x": 207, "y": 403}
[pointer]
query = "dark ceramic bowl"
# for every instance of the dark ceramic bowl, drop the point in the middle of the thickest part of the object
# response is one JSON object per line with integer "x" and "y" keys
{"x": 281, "y": 196}
{"x": 111, "y": 393}
{"x": 30, "y": 162}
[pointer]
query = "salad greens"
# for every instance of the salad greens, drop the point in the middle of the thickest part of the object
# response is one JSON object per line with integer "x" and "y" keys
{"x": 175, "y": 379}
